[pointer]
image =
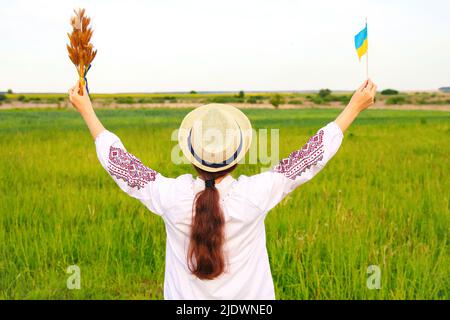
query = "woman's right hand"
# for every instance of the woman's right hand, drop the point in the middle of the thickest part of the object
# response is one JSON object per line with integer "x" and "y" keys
{"x": 364, "y": 96}
{"x": 81, "y": 102}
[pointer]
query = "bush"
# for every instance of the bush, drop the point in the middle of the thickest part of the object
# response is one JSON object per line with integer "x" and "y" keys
{"x": 241, "y": 94}
{"x": 144, "y": 100}
{"x": 106, "y": 101}
{"x": 170, "y": 99}
{"x": 2, "y": 97}
{"x": 157, "y": 99}
{"x": 254, "y": 99}
{"x": 323, "y": 93}
{"x": 193, "y": 92}
{"x": 125, "y": 100}
{"x": 225, "y": 99}
{"x": 52, "y": 100}
{"x": 296, "y": 101}
{"x": 438, "y": 102}
{"x": 344, "y": 99}
{"x": 422, "y": 101}
{"x": 317, "y": 99}
{"x": 434, "y": 102}
{"x": 389, "y": 92}
{"x": 276, "y": 100}
{"x": 149, "y": 100}
{"x": 396, "y": 100}
{"x": 22, "y": 98}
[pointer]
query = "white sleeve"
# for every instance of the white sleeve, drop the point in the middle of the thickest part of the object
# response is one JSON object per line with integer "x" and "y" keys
{"x": 301, "y": 166}
{"x": 130, "y": 174}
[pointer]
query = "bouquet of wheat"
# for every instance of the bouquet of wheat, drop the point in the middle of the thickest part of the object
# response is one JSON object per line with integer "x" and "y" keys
{"x": 81, "y": 51}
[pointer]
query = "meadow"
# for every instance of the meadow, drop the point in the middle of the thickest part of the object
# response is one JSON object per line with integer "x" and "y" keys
{"x": 383, "y": 200}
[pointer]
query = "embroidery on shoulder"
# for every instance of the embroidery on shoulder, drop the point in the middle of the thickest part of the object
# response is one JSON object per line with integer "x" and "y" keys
{"x": 301, "y": 160}
{"x": 130, "y": 169}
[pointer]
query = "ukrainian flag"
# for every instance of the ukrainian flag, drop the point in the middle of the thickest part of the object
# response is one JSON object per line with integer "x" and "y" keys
{"x": 361, "y": 42}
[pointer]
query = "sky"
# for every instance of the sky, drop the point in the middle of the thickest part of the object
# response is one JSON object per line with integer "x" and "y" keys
{"x": 210, "y": 45}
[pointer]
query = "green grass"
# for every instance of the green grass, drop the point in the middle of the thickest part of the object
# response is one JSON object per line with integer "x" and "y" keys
{"x": 383, "y": 200}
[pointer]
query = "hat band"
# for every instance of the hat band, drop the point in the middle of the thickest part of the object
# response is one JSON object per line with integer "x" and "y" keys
{"x": 212, "y": 164}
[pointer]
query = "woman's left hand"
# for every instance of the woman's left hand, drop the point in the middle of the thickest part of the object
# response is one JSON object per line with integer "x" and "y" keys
{"x": 364, "y": 96}
{"x": 361, "y": 100}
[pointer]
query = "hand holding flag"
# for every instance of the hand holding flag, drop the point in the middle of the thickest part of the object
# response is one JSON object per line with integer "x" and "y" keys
{"x": 364, "y": 96}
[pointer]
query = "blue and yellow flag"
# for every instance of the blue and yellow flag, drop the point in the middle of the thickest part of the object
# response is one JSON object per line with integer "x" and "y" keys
{"x": 361, "y": 42}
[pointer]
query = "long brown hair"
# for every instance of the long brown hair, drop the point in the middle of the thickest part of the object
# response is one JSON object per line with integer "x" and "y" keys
{"x": 206, "y": 259}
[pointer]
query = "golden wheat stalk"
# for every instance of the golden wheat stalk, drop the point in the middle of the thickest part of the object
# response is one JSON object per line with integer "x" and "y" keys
{"x": 81, "y": 51}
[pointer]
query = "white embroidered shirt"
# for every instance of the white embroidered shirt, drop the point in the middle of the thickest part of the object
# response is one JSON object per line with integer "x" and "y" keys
{"x": 245, "y": 202}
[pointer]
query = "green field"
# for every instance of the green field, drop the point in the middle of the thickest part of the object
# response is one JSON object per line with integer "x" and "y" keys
{"x": 383, "y": 200}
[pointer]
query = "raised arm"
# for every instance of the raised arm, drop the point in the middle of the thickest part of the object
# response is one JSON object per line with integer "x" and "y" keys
{"x": 127, "y": 171}
{"x": 304, "y": 163}
{"x": 84, "y": 106}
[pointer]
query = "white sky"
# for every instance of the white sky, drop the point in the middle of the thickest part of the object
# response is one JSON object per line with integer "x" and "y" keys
{"x": 175, "y": 45}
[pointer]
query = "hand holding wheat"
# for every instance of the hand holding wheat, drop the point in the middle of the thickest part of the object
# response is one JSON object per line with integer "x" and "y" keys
{"x": 81, "y": 51}
{"x": 80, "y": 101}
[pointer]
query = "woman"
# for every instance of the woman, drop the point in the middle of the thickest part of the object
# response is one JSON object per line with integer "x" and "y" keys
{"x": 215, "y": 247}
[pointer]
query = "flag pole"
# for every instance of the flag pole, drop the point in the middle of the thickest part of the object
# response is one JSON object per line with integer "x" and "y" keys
{"x": 367, "y": 53}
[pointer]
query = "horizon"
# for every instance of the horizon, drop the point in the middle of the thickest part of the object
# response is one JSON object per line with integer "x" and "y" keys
{"x": 219, "y": 91}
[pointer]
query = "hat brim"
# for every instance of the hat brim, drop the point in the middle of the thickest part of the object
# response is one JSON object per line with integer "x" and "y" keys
{"x": 188, "y": 121}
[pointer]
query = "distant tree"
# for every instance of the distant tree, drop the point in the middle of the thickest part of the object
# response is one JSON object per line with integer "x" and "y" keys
{"x": 389, "y": 92}
{"x": 241, "y": 94}
{"x": 193, "y": 92}
{"x": 323, "y": 93}
{"x": 9, "y": 91}
{"x": 276, "y": 100}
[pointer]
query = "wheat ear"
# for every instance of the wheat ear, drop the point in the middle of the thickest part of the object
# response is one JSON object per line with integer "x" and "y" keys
{"x": 81, "y": 51}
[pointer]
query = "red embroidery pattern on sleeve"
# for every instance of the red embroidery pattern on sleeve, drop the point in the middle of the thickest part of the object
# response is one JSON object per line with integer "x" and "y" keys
{"x": 130, "y": 169}
{"x": 301, "y": 160}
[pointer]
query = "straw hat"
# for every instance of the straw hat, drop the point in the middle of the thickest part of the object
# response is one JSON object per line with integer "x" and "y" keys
{"x": 215, "y": 136}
